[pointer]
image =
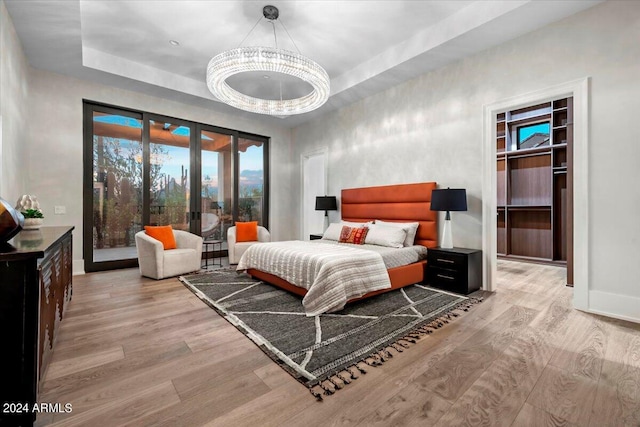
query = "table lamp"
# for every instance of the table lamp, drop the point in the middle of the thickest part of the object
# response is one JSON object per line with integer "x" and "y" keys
{"x": 326, "y": 204}
{"x": 450, "y": 199}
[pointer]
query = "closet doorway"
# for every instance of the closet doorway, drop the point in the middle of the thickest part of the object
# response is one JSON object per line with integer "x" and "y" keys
{"x": 534, "y": 183}
{"x": 579, "y": 91}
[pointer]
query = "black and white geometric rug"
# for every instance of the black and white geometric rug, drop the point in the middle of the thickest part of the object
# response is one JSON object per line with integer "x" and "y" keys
{"x": 328, "y": 351}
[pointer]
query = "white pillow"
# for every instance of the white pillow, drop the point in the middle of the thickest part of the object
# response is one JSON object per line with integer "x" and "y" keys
{"x": 411, "y": 228}
{"x": 356, "y": 224}
{"x": 382, "y": 235}
{"x": 333, "y": 232}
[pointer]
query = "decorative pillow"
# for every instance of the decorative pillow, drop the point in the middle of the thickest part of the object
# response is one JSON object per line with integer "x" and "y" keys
{"x": 247, "y": 231}
{"x": 355, "y": 235}
{"x": 333, "y": 232}
{"x": 382, "y": 235}
{"x": 411, "y": 228}
{"x": 163, "y": 233}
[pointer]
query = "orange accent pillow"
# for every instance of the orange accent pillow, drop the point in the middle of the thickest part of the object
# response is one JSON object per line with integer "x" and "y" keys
{"x": 355, "y": 235}
{"x": 164, "y": 233}
{"x": 247, "y": 231}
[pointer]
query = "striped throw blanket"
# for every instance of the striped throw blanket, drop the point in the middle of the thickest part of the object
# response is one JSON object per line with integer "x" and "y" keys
{"x": 332, "y": 274}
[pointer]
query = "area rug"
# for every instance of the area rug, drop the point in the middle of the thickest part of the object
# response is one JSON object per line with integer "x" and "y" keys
{"x": 326, "y": 352}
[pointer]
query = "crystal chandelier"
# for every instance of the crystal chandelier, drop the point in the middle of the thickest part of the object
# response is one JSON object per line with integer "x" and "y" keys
{"x": 269, "y": 59}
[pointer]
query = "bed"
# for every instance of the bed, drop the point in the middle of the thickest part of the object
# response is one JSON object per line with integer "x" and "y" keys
{"x": 392, "y": 203}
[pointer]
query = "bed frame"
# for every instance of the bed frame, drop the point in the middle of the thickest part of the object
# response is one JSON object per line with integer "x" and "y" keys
{"x": 397, "y": 203}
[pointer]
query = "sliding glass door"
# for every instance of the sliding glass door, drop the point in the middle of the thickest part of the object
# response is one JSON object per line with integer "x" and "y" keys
{"x": 145, "y": 169}
{"x": 216, "y": 183}
{"x": 115, "y": 192}
{"x": 169, "y": 164}
{"x": 252, "y": 169}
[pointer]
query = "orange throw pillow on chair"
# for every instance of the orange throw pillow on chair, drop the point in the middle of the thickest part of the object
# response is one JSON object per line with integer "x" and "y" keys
{"x": 247, "y": 231}
{"x": 164, "y": 233}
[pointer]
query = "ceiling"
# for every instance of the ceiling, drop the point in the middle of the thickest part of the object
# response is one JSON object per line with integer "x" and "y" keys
{"x": 365, "y": 46}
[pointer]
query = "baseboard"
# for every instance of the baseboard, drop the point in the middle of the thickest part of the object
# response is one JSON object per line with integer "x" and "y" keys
{"x": 617, "y": 306}
{"x": 78, "y": 267}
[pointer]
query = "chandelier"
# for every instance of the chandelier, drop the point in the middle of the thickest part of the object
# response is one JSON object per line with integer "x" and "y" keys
{"x": 268, "y": 59}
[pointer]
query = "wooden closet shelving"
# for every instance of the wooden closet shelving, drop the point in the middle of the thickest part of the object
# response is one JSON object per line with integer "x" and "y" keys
{"x": 533, "y": 176}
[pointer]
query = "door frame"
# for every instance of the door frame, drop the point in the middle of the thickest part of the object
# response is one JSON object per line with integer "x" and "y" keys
{"x": 193, "y": 214}
{"x": 196, "y": 162}
{"x": 579, "y": 90}
{"x": 87, "y": 188}
{"x": 265, "y": 174}
{"x": 324, "y": 152}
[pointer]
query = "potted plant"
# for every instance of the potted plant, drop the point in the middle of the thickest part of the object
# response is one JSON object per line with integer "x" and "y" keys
{"x": 30, "y": 209}
{"x": 32, "y": 219}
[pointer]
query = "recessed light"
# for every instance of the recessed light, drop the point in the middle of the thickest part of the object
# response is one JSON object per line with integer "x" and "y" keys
{"x": 174, "y": 42}
{"x": 265, "y": 77}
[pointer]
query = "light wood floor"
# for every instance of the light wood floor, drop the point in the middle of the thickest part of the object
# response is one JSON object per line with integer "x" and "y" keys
{"x": 134, "y": 351}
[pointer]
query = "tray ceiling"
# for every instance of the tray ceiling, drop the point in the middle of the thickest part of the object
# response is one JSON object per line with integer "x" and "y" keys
{"x": 365, "y": 46}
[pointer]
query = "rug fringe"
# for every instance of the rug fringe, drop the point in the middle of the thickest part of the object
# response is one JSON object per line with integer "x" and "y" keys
{"x": 346, "y": 379}
{"x": 337, "y": 383}
{"x": 316, "y": 393}
{"x": 341, "y": 379}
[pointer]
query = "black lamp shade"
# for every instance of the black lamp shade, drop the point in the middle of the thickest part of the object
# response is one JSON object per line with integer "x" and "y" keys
{"x": 326, "y": 203}
{"x": 450, "y": 199}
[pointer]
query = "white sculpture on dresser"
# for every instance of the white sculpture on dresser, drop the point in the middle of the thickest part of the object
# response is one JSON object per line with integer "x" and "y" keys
{"x": 29, "y": 207}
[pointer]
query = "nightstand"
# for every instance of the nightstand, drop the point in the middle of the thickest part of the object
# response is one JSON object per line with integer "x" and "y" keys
{"x": 315, "y": 236}
{"x": 457, "y": 270}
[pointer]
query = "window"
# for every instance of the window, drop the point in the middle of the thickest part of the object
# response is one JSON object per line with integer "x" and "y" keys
{"x": 146, "y": 169}
{"x": 533, "y": 136}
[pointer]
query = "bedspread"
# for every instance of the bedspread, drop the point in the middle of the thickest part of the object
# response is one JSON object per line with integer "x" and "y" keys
{"x": 332, "y": 274}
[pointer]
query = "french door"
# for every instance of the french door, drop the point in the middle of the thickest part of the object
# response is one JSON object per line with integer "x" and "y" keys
{"x": 147, "y": 169}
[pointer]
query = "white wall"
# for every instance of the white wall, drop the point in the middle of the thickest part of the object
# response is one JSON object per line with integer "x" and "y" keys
{"x": 431, "y": 128}
{"x": 14, "y": 92}
{"x": 55, "y": 147}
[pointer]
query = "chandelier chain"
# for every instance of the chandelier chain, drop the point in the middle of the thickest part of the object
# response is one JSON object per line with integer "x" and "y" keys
{"x": 251, "y": 31}
{"x": 275, "y": 36}
{"x": 290, "y": 38}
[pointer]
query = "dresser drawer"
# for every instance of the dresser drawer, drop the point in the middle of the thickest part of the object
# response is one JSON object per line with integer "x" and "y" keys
{"x": 446, "y": 260}
{"x": 444, "y": 275}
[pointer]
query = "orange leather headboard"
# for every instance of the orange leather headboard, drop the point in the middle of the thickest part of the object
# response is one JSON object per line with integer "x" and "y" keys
{"x": 399, "y": 203}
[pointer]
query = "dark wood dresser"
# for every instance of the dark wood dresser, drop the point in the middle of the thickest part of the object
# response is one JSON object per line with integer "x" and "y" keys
{"x": 35, "y": 288}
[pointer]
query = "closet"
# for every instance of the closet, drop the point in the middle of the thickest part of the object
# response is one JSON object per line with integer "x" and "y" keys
{"x": 534, "y": 183}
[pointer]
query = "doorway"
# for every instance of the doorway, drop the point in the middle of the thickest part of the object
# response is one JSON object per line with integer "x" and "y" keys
{"x": 579, "y": 90}
{"x": 534, "y": 184}
{"x": 314, "y": 183}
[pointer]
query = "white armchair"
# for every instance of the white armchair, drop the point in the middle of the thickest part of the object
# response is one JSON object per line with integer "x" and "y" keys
{"x": 157, "y": 263}
{"x": 236, "y": 249}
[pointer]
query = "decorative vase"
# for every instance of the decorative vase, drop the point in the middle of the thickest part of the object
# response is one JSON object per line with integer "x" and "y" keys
{"x": 27, "y": 201}
{"x": 32, "y": 223}
{"x": 11, "y": 221}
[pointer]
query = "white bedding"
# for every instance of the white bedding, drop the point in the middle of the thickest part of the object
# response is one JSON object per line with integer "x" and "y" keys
{"x": 392, "y": 257}
{"x": 331, "y": 273}
{"x": 344, "y": 276}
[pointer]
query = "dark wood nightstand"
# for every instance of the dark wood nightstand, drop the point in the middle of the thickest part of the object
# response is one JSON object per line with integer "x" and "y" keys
{"x": 457, "y": 270}
{"x": 315, "y": 236}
